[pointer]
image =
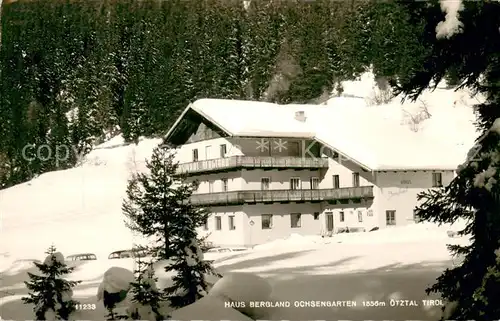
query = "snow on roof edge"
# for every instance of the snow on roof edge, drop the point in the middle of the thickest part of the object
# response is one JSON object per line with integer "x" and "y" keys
{"x": 373, "y": 166}
{"x": 210, "y": 119}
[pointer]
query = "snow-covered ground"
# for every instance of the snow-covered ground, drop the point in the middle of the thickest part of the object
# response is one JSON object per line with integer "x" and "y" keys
{"x": 361, "y": 267}
{"x": 79, "y": 211}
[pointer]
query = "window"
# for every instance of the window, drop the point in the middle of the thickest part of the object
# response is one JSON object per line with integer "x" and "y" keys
{"x": 294, "y": 183}
{"x": 316, "y": 216}
{"x": 264, "y": 183}
{"x": 355, "y": 179}
{"x": 295, "y": 219}
{"x": 336, "y": 181}
{"x": 218, "y": 223}
{"x": 342, "y": 216}
{"x": 231, "y": 223}
{"x": 195, "y": 155}
{"x": 210, "y": 186}
{"x": 370, "y": 213}
{"x": 314, "y": 182}
{"x": 437, "y": 180}
{"x": 267, "y": 221}
{"x": 416, "y": 217}
{"x": 223, "y": 150}
{"x": 390, "y": 217}
{"x": 360, "y": 216}
{"x": 205, "y": 225}
{"x": 224, "y": 184}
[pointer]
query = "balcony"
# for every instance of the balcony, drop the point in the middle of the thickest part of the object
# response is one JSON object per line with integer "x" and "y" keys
{"x": 248, "y": 162}
{"x": 282, "y": 196}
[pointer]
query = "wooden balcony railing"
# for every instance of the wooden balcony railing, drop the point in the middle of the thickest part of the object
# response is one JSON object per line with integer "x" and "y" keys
{"x": 269, "y": 196}
{"x": 238, "y": 162}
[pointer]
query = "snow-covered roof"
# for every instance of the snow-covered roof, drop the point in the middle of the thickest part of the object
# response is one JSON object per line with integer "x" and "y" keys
{"x": 346, "y": 125}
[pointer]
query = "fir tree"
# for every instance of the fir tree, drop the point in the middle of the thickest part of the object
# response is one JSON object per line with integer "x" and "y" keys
{"x": 158, "y": 206}
{"x": 145, "y": 293}
{"x": 190, "y": 269}
{"x": 473, "y": 287}
{"x": 49, "y": 292}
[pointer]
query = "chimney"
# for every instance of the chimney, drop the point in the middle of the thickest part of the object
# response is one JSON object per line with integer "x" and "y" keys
{"x": 300, "y": 116}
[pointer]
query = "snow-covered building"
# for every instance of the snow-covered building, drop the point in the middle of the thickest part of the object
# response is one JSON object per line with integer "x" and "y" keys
{"x": 268, "y": 170}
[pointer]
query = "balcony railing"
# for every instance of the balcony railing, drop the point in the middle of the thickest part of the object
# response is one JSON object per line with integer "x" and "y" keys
{"x": 270, "y": 196}
{"x": 239, "y": 162}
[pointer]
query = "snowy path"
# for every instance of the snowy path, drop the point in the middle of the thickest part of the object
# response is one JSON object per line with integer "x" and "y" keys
{"x": 332, "y": 272}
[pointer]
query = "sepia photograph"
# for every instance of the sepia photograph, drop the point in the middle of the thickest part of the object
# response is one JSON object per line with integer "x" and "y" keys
{"x": 249, "y": 160}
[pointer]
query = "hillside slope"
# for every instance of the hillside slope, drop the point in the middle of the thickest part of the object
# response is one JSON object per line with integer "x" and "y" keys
{"x": 79, "y": 210}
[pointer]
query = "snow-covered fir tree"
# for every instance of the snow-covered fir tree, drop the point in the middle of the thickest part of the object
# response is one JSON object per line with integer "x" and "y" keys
{"x": 472, "y": 289}
{"x": 190, "y": 268}
{"x": 146, "y": 297}
{"x": 158, "y": 206}
{"x": 50, "y": 293}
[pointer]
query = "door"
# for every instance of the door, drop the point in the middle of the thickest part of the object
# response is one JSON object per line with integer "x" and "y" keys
{"x": 207, "y": 152}
{"x": 329, "y": 221}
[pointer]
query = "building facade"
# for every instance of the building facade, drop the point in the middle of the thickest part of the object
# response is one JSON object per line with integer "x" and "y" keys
{"x": 262, "y": 188}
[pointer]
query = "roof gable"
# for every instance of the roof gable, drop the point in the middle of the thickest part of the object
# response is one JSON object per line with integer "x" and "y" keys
{"x": 192, "y": 126}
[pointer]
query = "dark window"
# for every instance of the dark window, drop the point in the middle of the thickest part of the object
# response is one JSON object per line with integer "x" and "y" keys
{"x": 342, "y": 216}
{"x": 195, "y": 155}
{"x": 267, "y": 221}
{"x": 416, "y": 217}
{"x": 390, "y": 217}
{"x": 295, "y": 219}
{"x": 355, "y": 179}
{"x": 218, "y": 223}
{"x": 231, "y": 223}
{"x": 223, "y": 150}
{"x": 294, "y": 183}
{"x": 336, "y": 181}
{"x": 316, "y": 216}
{"x": 264, "y": 183}
{"x": 360, "y": 216}
{"x": 437, "y": 180}
{"x": 314, "y": 182}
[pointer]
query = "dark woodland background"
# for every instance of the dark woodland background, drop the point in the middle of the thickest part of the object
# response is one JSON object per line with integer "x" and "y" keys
{"x": 131, "y": 67}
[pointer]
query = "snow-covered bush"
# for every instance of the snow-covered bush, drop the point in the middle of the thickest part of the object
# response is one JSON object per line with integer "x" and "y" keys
{"x": 243, "y": 287}
{"x": 50, "y": 293}
{"x": 113, "y": 291}
{"x": 229, "y": 299}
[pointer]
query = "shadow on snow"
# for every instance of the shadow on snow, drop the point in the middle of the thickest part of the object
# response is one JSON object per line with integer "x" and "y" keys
{"x": 314, "y": 283}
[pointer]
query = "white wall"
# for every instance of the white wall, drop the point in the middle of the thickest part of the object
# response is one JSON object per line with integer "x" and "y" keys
{"x": 225, "y": 236}
{"x": 279, "y": 179}
{"x": 281, "y": 221}
{"x": 234, "y": 182}
{"x": 398, "y": 191}
{"x": 185, "y": 152}
{"x": 344, "y": 169}
{"x": 350, "y": 216}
